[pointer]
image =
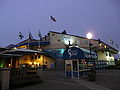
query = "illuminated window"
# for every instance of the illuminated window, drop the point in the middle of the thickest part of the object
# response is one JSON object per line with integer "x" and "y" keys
{"x": 100, "y": 44}
{"x": 106, "y": 54}
{"x": 68, "y": 40}
{"x": 105, "y": 46}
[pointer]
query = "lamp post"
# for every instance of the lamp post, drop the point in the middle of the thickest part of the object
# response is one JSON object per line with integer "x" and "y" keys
{"x": 89, "y": 36}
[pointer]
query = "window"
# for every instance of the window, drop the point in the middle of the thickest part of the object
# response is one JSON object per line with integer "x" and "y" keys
{"x": 39, "y": 56}
{"x": 48, "y": 34}
{"x": 35, "y": 56}
{"x": 46, "y": 62}
{"x": 25, "y": 58}
{"x": 58, "y": 39}
{"x": 106, "y": 53}
{"x": 53, "y": 34}
{"x": 109, "y": 54}
{"x": 102, "y": 51}
{"x": 31, "y": 57}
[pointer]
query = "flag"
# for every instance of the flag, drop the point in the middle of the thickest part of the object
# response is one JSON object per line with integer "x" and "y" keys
{"x": 109, "y": 40}
{"x": 117, "y": 45}
{"x": 112, "y": 42}
{"x": 53, "y": 19}
{"x": 39, "y": 34}
{"x": 30, "y": 36}
{"x": 21, "y": 35}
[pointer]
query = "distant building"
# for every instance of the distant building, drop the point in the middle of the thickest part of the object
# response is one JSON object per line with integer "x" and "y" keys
{"x": 55, "y": 43}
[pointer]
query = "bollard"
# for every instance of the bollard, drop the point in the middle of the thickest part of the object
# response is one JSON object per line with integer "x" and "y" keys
{"x": 4, "y": 79}
{"x": 40, "y": 73}
{"x": 92, "y": 75}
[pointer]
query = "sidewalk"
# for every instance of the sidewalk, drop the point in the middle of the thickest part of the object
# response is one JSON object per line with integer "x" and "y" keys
{"x": 90, "y": 85}
{"x": 105, "y": 80}
{"x": 55, "y": 80}
{"x": 55, "y": 85}
{"x": 109, "y": 79}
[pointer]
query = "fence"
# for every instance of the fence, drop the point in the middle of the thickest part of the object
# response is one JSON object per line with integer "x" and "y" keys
{"x": 22, "y": 77}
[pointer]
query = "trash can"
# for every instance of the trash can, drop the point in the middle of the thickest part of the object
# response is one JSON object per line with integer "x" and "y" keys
{"x": 4, "y": 78}
{"x": 40, "y": 73}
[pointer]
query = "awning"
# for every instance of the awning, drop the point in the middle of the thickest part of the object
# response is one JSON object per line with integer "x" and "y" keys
{"x": 35, "y": 43}
{"x": 19, "y": 52}
{"x": 78, "y": 53}
{"x": 10, "y": 55}
{"x": 55, "y": 53}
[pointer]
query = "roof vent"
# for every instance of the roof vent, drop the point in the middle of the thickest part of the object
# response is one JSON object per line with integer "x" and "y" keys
{"x": 64, "y": 32}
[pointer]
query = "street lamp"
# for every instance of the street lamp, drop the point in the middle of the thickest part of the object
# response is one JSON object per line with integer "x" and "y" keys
{"x": 89, "y": 36}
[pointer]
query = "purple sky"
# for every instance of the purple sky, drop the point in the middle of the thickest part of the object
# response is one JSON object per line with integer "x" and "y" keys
{"x": 101, "y": 17}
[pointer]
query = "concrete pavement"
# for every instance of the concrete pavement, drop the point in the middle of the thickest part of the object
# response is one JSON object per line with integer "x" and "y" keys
{"x": 55, "y": 80}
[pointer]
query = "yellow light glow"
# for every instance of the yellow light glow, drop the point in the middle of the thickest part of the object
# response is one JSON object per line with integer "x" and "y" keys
{"x": 105, "y": 46}
{"x": 34, "y": 62}
{"x": 14, "y": 48}
{"x": 68, "y": 41}
{"x": 89, "y": 35}
{"x": 9, "y": 65}
{"x": 30, "y": 63}
{"x": 100, "y": 44}
{"x": 35, "y": 53}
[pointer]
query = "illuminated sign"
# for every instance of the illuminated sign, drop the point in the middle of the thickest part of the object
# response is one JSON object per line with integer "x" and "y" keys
{"x": 72, "y": 52}
{"x": 77, "y": 53}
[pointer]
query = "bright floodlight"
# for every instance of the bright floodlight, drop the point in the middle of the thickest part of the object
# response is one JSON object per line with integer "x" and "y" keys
{"x": 89, "y": 35}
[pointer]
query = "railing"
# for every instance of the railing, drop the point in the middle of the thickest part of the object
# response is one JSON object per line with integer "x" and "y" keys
{"x": 17, "y": 72}
{"x": 18, "y": 77}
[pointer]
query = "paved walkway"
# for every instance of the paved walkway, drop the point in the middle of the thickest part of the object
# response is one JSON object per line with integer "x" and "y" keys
{"x": 109, "y": 79}
{"x": 54, "y": 80}
{"x": 91, "y": 85}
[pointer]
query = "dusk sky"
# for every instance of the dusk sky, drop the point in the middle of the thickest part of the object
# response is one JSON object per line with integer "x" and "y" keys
{"x": 100, "y": 17}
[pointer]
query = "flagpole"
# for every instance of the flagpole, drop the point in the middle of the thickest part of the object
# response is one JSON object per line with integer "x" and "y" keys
{"x": 50, "y": 23}
{"x": 20, "y": 36}
{"x": 28, "y": 43}
{"x": 18, "y": 40}
{"x": 39, "y": 44}
{"x": 40, "y": 36}
{"x": 28, "y": 38}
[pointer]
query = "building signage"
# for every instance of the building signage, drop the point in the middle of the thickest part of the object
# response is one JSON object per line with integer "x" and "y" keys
{"x": 73, "y": 53}
{"x": 77, "y": 53}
